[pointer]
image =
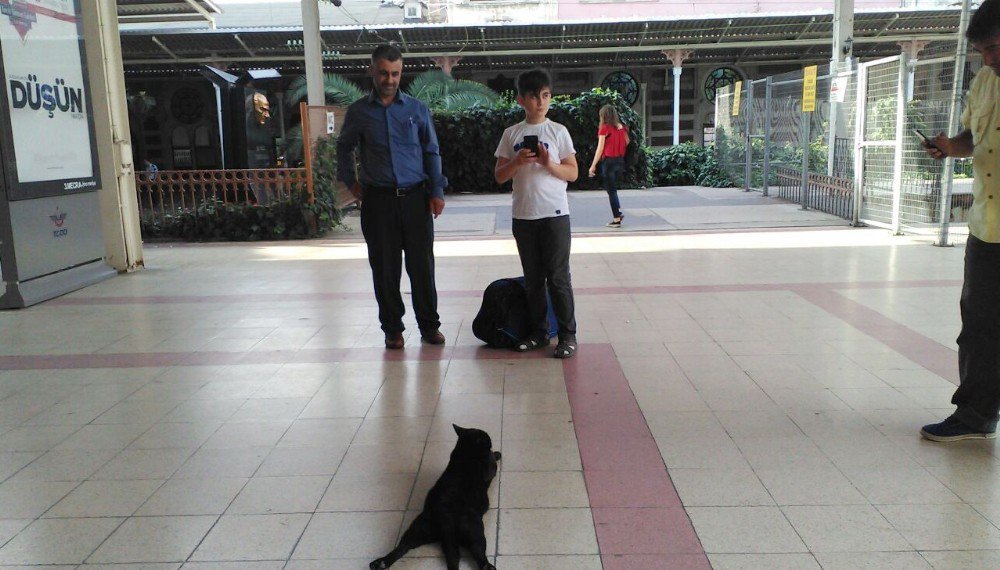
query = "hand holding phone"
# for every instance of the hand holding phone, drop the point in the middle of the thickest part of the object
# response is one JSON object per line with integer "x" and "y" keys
{"x": 927, "y": 142}
{"x": 530, "y": 142}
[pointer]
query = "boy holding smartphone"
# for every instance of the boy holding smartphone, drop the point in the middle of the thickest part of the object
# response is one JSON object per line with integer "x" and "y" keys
{"x": 538, "y": 155}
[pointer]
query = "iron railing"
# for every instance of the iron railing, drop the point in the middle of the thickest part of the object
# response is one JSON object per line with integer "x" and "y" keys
{"x": 172, "y": 192}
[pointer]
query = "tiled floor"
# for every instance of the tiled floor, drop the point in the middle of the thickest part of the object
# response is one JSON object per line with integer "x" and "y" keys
{"x": 741, "y": 399}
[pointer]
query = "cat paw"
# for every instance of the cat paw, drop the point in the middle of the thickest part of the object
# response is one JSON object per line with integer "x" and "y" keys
{"x": 379, "y": 564}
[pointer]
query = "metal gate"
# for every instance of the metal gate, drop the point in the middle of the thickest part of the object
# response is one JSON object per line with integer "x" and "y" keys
{"x": 878, "y": 164}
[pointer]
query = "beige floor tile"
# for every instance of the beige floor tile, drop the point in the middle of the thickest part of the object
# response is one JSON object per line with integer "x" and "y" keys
{"x": 769, "y": 561}
{"x": 66, "y": 541}
{"x": 944, "y": 527}
{"x": 476, "y": 404}
{"x": 378, "y": 492}
{"x": 223, "y": 462}
{"x": 543, "y": 489}
{"x": 69, "y": 465}
{"x": 546, "y": 531}
{"x": 538, "y": 426}
{"x": 379, "y": 430}
{"x": 385, "y": 458}
{"x": 810, "y": 486}
{"x": 267, "y": 495}
{"x": 720, "y": 488}
{"x": 154, "y": 539}
{"x": 320, "y": 432}
{"x": 875, "y": 398}
{"x": 795, "y": 452}
{"x": 144, "y": 464}
{"x": 344, "y": 535}
{"x": 258, "y": 409}
{"x": 149, "y": 566}
{"x": 540, "y": 455}
{"x": 168, "y": 435}
{"x": 534, "y": 404}
{"x": 192, "y": 497}
{"x": 744, "y": 530}
{"x": 690, "y": 454}
{"x": 962, "y": 560}
{"x": 882, "y": 560}
{"x": 294, "y": 461}
{"x": 241, "y": 565}
{"x": 24, "y": 499}
{"x": 105, "y": 499}
{"x": 549, "y": 562}
{"x": 851, "y": 528}
{"x": 252, "y": 537}
{"x": 900, "y": 486}
{"x": 242, "y": 435}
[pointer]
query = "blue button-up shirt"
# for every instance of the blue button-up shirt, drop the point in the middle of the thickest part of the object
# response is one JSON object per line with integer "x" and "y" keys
{"x": 399, "y": 147}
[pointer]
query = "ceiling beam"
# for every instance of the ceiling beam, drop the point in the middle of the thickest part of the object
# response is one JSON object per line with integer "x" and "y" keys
{"x": 204, "y": 13}
{"x": 702, "y": 47}
{"x": 163, "y": 46}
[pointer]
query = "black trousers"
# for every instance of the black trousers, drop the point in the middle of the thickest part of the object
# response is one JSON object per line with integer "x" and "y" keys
{"x": 611, "y": 169}
{"x": 543, "y": 246}
{"x": 978, "y": 394}
{"x": 394, "y": 226}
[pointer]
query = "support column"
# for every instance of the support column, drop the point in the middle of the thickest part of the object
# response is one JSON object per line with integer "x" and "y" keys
{"x": 311, "y": 45}
{"x": 117, "y": 197}
{"x": 912, "y": 49}
{"x": 957, "y": 88}
{"x": 841, "y": 60}
{"x": 677, "y": 57}
{"x": 446, "y": 62}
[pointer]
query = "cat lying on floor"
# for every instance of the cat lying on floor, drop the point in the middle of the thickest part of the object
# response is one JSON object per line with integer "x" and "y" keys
{"x": 455, "y": 505}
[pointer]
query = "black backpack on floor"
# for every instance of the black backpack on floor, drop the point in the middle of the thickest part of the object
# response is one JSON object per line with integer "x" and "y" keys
{"x": 502, "y": 320}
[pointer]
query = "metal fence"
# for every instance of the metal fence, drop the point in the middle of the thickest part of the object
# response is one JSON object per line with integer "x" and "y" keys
{"x": 170, "y": 193}
{"x": 856, "y": 155}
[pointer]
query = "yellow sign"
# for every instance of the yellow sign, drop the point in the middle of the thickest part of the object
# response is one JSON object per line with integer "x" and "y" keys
{"x": 809, "y": 89}
{"x": 737, "y": 89}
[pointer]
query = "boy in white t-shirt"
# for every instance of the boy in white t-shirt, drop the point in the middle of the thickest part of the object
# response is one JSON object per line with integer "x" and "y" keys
{"x": 538, "y": 155}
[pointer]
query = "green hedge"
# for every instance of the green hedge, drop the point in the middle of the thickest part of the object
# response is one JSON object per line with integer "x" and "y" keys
{"x": 469, "y": 138}
{"x": 685, "y": 164}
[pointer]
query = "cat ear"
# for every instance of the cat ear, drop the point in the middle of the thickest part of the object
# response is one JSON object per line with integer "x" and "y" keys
{"x": 458, "y": 430}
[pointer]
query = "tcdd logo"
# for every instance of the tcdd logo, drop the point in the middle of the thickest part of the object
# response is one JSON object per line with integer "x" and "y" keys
{"x": 59, "y": 218}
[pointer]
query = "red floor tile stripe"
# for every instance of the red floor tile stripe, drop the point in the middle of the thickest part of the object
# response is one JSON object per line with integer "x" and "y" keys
{"x": 926, "y": 352}
{"x": 638, "y": 516}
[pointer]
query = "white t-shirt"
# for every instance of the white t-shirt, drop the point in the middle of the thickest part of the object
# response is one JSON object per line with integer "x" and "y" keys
{"x": 537, "y": 193}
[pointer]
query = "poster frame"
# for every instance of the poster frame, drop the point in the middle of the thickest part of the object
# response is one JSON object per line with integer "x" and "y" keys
{"x": 14, "y": 188}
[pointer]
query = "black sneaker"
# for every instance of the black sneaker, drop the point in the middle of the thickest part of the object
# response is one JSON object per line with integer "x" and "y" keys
{"x": 953, "y": 430}
{"x": 615, "y": 223}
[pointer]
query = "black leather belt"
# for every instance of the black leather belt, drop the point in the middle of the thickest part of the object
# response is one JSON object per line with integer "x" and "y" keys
{"x": 399, "y": 191}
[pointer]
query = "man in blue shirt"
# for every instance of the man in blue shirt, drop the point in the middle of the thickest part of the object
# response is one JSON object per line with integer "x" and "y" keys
{"x": 401, "y": 187}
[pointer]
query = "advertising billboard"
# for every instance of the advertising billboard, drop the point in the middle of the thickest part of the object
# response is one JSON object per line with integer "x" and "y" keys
{"x": 47, "y": 129}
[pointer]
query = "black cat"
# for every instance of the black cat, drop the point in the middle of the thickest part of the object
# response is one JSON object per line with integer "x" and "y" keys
{"x": 455, "y": 505}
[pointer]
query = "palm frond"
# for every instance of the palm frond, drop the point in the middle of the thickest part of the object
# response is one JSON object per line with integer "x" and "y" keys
{"x": 337, "y": 89}
{"x": 438, "y": 90}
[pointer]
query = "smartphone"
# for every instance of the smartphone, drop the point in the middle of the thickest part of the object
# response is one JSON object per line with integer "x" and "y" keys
{"x": 531, "y": 143}
{"x": 923, "y": 137}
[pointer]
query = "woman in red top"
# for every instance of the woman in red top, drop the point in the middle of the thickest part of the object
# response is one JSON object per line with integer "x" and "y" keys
{"x": 612, "y": 138}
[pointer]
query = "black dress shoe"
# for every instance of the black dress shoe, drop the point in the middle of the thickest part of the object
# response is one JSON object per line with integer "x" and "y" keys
{"x": 394, "y": 340}
{"x": 432, "y": 337}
